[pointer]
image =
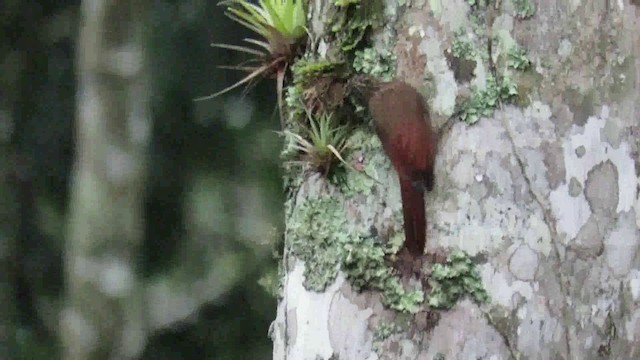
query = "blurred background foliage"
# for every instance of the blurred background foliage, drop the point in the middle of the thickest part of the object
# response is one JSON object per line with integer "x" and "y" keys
{"x": 214, "y": 196}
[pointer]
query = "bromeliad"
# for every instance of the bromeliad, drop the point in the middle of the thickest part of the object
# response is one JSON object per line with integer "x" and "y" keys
{"x": 281, "y": 24}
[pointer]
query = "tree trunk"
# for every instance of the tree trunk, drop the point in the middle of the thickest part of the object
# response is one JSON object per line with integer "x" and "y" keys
{"x": 539, "y": 187}
{"x": 8, "y": 233}
{"x": 103, "y": 315}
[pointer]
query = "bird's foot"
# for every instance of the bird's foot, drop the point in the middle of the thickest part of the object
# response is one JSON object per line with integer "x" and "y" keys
{"x": 409, "y": 265}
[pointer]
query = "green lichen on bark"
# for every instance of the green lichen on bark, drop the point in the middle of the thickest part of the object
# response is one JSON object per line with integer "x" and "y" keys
{"x": 459, "y": 276}
{"x": 379, "y": 63}
{"x": 517, "y": 58}
{"x": 319, "y": 235}
{"x": 350, "y": 20}
{"x": 524, "y": 8}
{"x": 484, "y": 101}
{"x": 306, "y": 72}
{"x": 382, "y": 332}
{"x": 271, "y": 281}
{"x": 499, "y": 54}
{"x": 462, "y": 47}
{"x": 364, "y": 262}
{"x": 366, "y": 144}
{"x": 307, "y": 69}
{"x": 316, "y": 232}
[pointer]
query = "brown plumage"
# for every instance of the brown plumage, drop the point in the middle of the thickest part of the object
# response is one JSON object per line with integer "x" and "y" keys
{"x": 403, "y": 125}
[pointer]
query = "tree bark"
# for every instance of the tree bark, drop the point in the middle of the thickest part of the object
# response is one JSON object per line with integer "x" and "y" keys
{"x": 542, "y": 192}
{"x": 103, "y": 315}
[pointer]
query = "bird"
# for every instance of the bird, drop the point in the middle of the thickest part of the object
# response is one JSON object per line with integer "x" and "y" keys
{"x": 402, "y": 122}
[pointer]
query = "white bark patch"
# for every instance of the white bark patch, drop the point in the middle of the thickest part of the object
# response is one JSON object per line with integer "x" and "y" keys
{"x": 463, "y": 172}
{"x": 537, "y": 236}
{"x": 632, "y": 326}
{"x": 453, "y": 13}
{"x": 565, "y": 48}
{"x": 475, "y": 340}
{"x": 474, "y": 141}
{"x": 472, "y": 234}
{"x": 634, "y": 284}
{"x": 621, "y": 245}
{"x": 446, "y": 86}
{"x": 348, "y": 329}
{"x": 474, "y": 225}
{"x": 574, "y": 4}
{"x": 524, "y": 263}
{"x": 532, "y": 128}
{"x": 538, "y": 114}
{"x": 537, "y": 328}
{"x": 311, "y": 311}
{"x": 637, "y": 208}
{"x": 573, "y": 212}
{"x": 503, "y": 292}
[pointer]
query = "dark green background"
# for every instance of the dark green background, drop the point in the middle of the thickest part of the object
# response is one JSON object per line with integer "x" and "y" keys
{"x": 37, "y": 78}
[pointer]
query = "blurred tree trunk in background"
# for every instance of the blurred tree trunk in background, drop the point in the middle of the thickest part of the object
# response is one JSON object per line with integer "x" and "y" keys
{"x": 543, "y": 194}
{"x": 8, "y": 232}
{"x": 103, "y": 314}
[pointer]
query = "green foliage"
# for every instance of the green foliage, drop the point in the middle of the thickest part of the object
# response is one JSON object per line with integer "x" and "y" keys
{"x": 517, "y": 58}
{"x": 524, "y": 8}
{"x": 352, "y": 18}
{"x": 320, "y": 144}
{"x": 287, "y": 17}
{"x": 484, "y": 101}
{"x": 379, "y": 64}
{"x": 452, "y": 280}
{"x": 281, "y": 24}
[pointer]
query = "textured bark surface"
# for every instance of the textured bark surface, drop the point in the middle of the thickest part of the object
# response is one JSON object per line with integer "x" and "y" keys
{"x": 103, "y": 314}
{"x": 546, "y": 191}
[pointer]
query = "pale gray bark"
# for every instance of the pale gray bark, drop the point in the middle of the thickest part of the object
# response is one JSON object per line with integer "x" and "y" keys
{"x": 547, "y": 192}
{"x": 103, "y": 314}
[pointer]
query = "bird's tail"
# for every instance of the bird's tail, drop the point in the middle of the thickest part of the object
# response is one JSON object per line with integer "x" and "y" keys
{"x": 415, "y": 222}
